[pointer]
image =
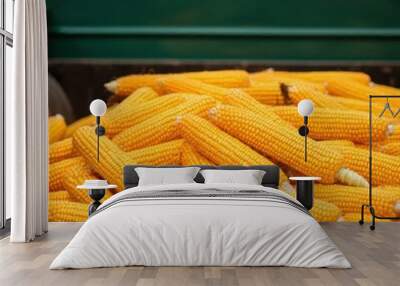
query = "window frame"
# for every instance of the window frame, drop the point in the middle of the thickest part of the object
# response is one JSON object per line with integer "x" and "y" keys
{"x": 6, "y": 39}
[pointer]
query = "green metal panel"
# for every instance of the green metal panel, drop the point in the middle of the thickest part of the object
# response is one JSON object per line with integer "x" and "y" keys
{"x": 352, "y": 30}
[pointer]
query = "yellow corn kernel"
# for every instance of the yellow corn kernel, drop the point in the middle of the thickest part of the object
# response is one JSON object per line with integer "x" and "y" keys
{"x": 67, "y": 211}
{"x": 161, "y": 127}
{"x": 77, "y": 176}
{"x": 89, "y": 120}
{"x": 363, "y": 105}
{"x": 394, "y": 136}
{"x": 123, "y": 86}
{"x": 112, "y": 159}
{"x": 218, "y": 146}
{"x": 385, "y": 89}
{"x": 57, "y": 127}
{"x": 350, "y": 89}
{"x": 298, "y": 92}
{"x": 57, "y": 170}
{"x": 330, "y": 124}
{"x": 324, "y": 211}
{"x": 385, "y": 168}
{"x": 127, "y": 117}
{"x": 135, "y": 99}
{"x": 270, "y": 77}
{"x": 190, "y": 156}
{"x": 266, "y": 93}
{"x": 59, "y": 196}
{"x": 280, "y": 143}
{"x": 168, "y": 153}
{"x": 349, "y": 199}
{"x": 325, "y": 76}
{"x": 388, "y": 90}
{"x": 391, "y": 148}
{"x": 182, "y": 84}
{"x": 381, "y": 89}
{"x": 339, "y": 143}
{"x": 234, "y": 97}
{"x": 61, "y": 150}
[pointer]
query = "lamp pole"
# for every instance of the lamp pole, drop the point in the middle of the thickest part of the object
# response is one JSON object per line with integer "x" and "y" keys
{"x": 98, "y": 108}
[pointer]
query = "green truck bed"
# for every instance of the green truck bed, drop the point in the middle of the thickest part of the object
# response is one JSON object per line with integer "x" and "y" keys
{"x": 286, "y": 30}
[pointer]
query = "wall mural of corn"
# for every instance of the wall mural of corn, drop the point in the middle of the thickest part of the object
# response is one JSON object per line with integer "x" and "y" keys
{"x": 235, "y": 117}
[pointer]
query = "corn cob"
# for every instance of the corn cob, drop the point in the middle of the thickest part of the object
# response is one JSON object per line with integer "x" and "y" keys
{"x": 59, "y": 196}
{"x": 339, "y": 143}
{"x": 381, "y": 89}
{"x": 324, "y": 211}
{"x": 123, "y": 86}
{"x": 349, "y": 199}
{"x": 244, "y": 101}
{"x": 190, "y": 156}
{"x": 235, "y": 97}
{"x": 61, "y": 150}
{"x": 218, "y": 146}
{"x": 84, "y": 121}
{"x": 112, "y": 158}
{"x": 391, "y": 148}
{"x": 329, "y": 124}
{"x": 266, "y": 93}
{"x": 57, "y": 170}
{"x": 67, "y": 211}
{"x": 384, "y": 89}
{"x": 350, "y": 89}
{"x": 161, "y": 127}
{"x": 282, "y": 144}
{"x": 57, "y": 128}
{"x": 394, "y": 136}
{"x": 117, "y": 122}
{"x": 77, "y": 176}
{"x": 325, "y": 76}
{"x": 361, "y": 105}
{"x": 271, "y": 77}
{"x": 162, "y": 154}
{"x": 182, "y": 84}
{"x": 136, "y": 98}
{"x": 384, "y": 167}
{"x": 299, "y": 92}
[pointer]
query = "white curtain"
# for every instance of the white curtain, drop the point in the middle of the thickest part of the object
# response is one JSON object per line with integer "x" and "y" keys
{"x": 26, "y": 123}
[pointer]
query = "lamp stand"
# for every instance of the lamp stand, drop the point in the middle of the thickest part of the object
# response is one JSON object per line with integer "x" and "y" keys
{"x": 100, "y": 131}
{"x": 303, "y": 131}
{"x": 370, "y": 201}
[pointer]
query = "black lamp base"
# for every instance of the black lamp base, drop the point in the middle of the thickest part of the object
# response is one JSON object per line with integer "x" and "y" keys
{"x": 305, "y": 193}
{"x": 96, "y": 195}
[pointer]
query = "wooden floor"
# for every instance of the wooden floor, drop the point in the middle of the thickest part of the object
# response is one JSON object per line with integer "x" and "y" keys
{"x": 375, "y": 257}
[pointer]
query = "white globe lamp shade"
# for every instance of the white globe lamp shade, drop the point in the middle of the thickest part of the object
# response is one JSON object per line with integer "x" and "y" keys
{"x": 98, "y": 107}
{"x": 305, "y": 107}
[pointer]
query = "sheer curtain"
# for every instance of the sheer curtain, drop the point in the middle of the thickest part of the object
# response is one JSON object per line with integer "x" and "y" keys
{"x": 26, "y": 123}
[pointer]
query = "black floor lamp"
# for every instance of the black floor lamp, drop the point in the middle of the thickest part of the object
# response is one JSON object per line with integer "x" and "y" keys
{"x": 370, "y": 205}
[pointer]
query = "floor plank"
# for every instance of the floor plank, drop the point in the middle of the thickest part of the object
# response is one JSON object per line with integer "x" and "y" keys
{"x": 375, "y": 257}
